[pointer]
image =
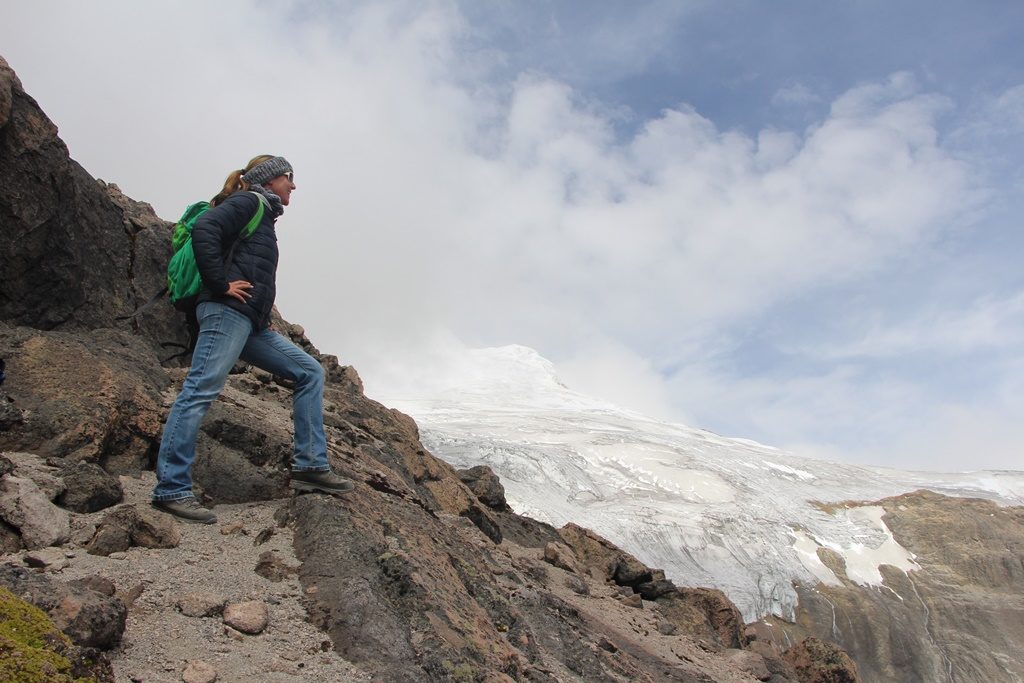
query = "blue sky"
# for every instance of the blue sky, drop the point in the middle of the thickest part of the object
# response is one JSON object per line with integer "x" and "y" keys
{"x": 795, "y": 222}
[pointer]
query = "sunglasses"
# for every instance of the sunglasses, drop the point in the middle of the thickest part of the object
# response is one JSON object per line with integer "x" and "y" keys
{"x": 290, "y": 175}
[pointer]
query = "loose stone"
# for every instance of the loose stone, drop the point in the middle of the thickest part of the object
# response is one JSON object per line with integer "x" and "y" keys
{"x": 248, "y": 617}
{"x": 199, "y": 671}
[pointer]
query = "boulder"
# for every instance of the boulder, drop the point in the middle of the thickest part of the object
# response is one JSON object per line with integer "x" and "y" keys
{"x": 95, "y": 582}
{"x": 201, "y": 604}
{"x": 750, "y": 662}
{"x": 486, "y": 486}
{"x": 633, "y": 600}
{"x": 597, "y": 555}
{"x": 10, "y": 539}
{"x": 630, "y": 571}
{"x": 249, "y": 617}
{"x": 50, "y": 559}
{"x": 577, "y": 585}
{"x": 244, "y": 448}
{"x": 483, "y": 520}
{"x": 561, "y": 556}
{"x": 128, "y": 526}
{"x": 704, "y": 613}
{"x": 816, "y": 661}
{"x": 91, "y": 396}
{"x": 89, "y": 618}
{"x": 32, "y": 648}
{"x": 198, "y": 671}
{"x": 667, "y": 628}
{"x": 89, "y": 488}
{"x": 25, "y": 507}
{"x": 652, "y": 590}
{"x": 154, "y": 529}
{"x": 46, "y": 477}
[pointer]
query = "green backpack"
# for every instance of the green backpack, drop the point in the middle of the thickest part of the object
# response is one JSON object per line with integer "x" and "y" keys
{"x": 183, "y": 280}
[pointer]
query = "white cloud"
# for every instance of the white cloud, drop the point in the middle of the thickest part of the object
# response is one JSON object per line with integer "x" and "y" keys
{"x": 435, "y": 204}
{"x": 606, "y": 368}
{"x": 856, "y": 414}
{"x": 986, "y": 325}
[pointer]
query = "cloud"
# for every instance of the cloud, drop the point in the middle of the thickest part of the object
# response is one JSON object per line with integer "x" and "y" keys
{"x": 494, "y": 210}
{"x": 986, "y": 325}
{"x": 606, "y": 368}
{"x": 444, "y": 201}
{"x": 857, "y": 413}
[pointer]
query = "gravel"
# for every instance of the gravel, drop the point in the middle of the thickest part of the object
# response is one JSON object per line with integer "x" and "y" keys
{"x": 161, "y": 643}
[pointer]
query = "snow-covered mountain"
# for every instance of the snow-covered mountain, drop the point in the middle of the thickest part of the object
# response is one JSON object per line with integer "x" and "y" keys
{"x": 712, "y": 511}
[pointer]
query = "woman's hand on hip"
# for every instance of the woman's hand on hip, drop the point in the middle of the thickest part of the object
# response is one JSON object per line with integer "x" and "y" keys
{"x": 240, "y": 290}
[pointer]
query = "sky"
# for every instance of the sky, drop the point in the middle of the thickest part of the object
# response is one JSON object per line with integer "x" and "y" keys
{"x": 793, "y": 222}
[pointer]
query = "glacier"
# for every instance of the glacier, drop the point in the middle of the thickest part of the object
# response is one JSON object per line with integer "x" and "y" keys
{"x": 711, "y": 511}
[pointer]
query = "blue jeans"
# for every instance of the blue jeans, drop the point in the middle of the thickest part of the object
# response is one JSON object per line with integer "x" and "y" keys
{"x": 225, "y": 335}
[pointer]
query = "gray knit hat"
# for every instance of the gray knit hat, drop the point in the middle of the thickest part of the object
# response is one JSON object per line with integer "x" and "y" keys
{"x": 268, "y": 170}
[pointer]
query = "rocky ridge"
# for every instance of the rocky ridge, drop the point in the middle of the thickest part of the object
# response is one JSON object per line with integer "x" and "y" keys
{"x": 958, "y": 617}
{"x": 918, "y": 579}
{"x": 413, "y": 576}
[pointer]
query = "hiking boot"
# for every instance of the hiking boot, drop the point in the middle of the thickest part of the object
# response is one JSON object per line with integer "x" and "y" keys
{"x": 325, "y": 482}
{"x": 187, "y": 509}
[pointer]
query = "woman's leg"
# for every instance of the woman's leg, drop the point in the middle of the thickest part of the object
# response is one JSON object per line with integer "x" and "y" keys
{"x": 222, "y": 336}
{"x": 275, "y": 354}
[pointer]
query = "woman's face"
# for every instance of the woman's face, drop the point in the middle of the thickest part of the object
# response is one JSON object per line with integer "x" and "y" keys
{"x": 282, "y": 186}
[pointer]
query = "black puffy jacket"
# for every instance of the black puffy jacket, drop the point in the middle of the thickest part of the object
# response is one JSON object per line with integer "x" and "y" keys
{"x": 254, "y": 258}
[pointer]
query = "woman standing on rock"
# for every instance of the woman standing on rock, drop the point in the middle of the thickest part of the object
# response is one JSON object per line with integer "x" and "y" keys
{"x": 239, "y": 286}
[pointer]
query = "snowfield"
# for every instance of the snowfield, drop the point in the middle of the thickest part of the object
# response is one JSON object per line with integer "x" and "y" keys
{"x": 709, "y": 510}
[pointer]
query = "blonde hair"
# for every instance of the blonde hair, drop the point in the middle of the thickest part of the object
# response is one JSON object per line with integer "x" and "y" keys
{"x": 234, "y": 182}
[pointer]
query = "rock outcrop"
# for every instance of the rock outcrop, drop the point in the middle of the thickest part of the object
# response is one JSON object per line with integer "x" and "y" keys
{"x": 89, "y": 618}
{"x": 32, "y": 648}
{"x": 414, "y": 575}
{"x": 959, "y": 618}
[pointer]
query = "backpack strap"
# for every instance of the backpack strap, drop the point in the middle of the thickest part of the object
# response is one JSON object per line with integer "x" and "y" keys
{"x": 249, "y": 228}
{"x": 263, "y": 200}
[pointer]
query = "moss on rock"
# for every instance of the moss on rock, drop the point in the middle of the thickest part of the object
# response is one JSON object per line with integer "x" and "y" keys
{"x": 32, "y": 649}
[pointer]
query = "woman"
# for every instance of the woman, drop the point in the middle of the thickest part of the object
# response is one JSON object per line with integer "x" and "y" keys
{"x": 238, "y": 293}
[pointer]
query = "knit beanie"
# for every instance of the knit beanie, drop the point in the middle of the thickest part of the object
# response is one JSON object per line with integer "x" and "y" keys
{"x": 268, "y": 170}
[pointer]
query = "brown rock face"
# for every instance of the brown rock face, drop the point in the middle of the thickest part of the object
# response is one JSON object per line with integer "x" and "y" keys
{"x": 484, "y": 484}
{"x": 600, "y": 557}
{"x": 819, "y": 662}
{"x": 561, "y": 556}
{"x": 89, "y": 618}
{"x": 705, "y": 612}
{"x": 129, "y": 526}
{"x": 961, "y": 617}
{"x": 89, "y": 488}
{"x": 31, "y": 659}
{"x": 90, "y": 395}
{"x": 68, "y": 249}
{"x": 40, "y": 523}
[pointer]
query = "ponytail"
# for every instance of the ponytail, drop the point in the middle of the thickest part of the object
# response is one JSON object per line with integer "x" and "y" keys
{"x": 234, "y": 182}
